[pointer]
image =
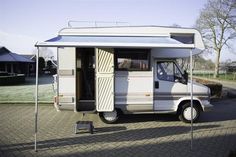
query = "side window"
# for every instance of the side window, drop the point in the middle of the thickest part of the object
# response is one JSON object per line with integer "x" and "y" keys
{"x": 132, "y": 60}
{"x": 165, "y": 71}
{"x": 183, "y": 38}
{"x": 168, "y": 71}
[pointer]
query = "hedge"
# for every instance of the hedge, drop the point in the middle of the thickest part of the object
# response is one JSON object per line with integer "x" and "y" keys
{"x": 12, "y": 79}
{"x": 216, "y": 88}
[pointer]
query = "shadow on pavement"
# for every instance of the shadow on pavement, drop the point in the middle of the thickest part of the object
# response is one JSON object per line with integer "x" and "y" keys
{"x": 109, "y": 129}
{"x": 179, "y": 148}
{"x": 119, "y": 136}
{"x": 223, "y": 110}
{"x": 136, "y": 118}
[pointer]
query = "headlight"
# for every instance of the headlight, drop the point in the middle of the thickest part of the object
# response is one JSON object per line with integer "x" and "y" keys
{"x": 209, "y": 94}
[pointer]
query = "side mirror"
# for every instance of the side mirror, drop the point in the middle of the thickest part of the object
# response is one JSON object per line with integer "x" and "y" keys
{"x": 185, "y": 81}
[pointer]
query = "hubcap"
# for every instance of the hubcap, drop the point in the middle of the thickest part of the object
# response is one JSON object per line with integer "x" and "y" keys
{"x": 110, "y": 116}
{"x": 187, "y": 113}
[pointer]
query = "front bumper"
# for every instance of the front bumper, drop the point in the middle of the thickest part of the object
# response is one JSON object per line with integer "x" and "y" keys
{"x": 207, "y": 107}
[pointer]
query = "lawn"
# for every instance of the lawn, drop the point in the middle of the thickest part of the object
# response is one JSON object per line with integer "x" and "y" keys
{"x": 26, "y": 92}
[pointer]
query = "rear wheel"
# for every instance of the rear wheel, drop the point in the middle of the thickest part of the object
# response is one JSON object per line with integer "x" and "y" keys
{"x": 185, "y": 113}
{"x": 109, "y": 117}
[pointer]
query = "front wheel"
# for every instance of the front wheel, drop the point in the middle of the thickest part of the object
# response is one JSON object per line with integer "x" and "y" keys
{"x": 185, "y": 113}
{"x": 109, "y": 117}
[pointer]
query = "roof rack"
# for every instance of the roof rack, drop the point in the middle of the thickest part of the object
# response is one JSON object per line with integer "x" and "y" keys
{"x": 96, "y": 23}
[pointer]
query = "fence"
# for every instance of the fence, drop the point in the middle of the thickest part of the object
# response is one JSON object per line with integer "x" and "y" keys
{"x": 223, "y": 75}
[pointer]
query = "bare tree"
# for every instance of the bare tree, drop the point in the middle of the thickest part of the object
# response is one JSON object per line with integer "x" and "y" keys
{"x": 217, "y": 23}
{"x": 44, "y": 52}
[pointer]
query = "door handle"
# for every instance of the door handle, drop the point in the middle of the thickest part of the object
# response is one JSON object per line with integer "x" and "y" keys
{"x": 156, "y": 84}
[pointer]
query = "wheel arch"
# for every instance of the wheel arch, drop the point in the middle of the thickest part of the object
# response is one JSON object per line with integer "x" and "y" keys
{"x": 196, "y": 102}
{"x": 118, "y": 113}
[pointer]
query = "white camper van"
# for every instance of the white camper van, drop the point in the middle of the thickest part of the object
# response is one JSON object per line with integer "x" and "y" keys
{"x": 127, "y": 70}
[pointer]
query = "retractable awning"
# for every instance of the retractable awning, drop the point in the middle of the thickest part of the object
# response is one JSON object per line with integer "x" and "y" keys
{"x": 114, "y": 41}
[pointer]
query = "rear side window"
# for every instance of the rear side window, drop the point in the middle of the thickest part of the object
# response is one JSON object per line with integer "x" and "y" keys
{"x": 184, "y": 38}
{"x": 132, "y": 59}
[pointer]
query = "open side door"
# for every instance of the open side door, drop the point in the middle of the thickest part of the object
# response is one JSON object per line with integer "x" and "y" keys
{"x": 104, "y": 79}
{"x": 67, "y": 78}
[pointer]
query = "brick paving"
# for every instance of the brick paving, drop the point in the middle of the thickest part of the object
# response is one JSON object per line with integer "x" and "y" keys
{"x": 135, "y": 135}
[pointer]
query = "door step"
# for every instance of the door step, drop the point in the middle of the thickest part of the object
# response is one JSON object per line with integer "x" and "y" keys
{"x": 90, "y": 101}
{"x": 86, "y": 106}
{"x": 84, "y": 125}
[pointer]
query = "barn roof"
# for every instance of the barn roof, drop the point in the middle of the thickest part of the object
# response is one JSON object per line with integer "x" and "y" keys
{"x": 8, "y": 56}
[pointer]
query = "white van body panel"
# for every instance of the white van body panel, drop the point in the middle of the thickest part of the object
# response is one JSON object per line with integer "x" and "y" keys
{"x": 165, "y": 96}
{"x": 134, "y": 90}
{"x": 67, "y": 78}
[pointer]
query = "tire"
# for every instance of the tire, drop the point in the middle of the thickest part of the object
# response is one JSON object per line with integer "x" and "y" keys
{"x": 185, "y": 113}
{"x": 109, "y": 117}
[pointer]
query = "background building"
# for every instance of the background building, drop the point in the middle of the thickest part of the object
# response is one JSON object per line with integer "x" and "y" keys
{"x": 14, "y": 63}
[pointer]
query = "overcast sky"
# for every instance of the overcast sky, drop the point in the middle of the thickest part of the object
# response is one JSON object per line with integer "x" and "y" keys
{"x": 23, "y": 22}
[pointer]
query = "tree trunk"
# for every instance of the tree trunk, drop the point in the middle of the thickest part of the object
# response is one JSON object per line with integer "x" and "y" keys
{"x": 217, "y": 62}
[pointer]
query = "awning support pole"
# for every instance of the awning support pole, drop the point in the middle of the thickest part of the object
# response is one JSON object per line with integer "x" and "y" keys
{"x": 191, "y": 93}
{"x": 36, "y": 100}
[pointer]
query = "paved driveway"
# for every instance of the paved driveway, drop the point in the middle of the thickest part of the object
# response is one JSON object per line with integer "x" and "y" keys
{"x": 135, "y": 135}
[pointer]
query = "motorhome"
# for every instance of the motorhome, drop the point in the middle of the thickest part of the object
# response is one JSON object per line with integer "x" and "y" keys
{"x": 127, "y": 70}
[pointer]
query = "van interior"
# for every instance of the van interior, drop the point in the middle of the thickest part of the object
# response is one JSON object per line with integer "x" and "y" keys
{"x": 85, "y": 79}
